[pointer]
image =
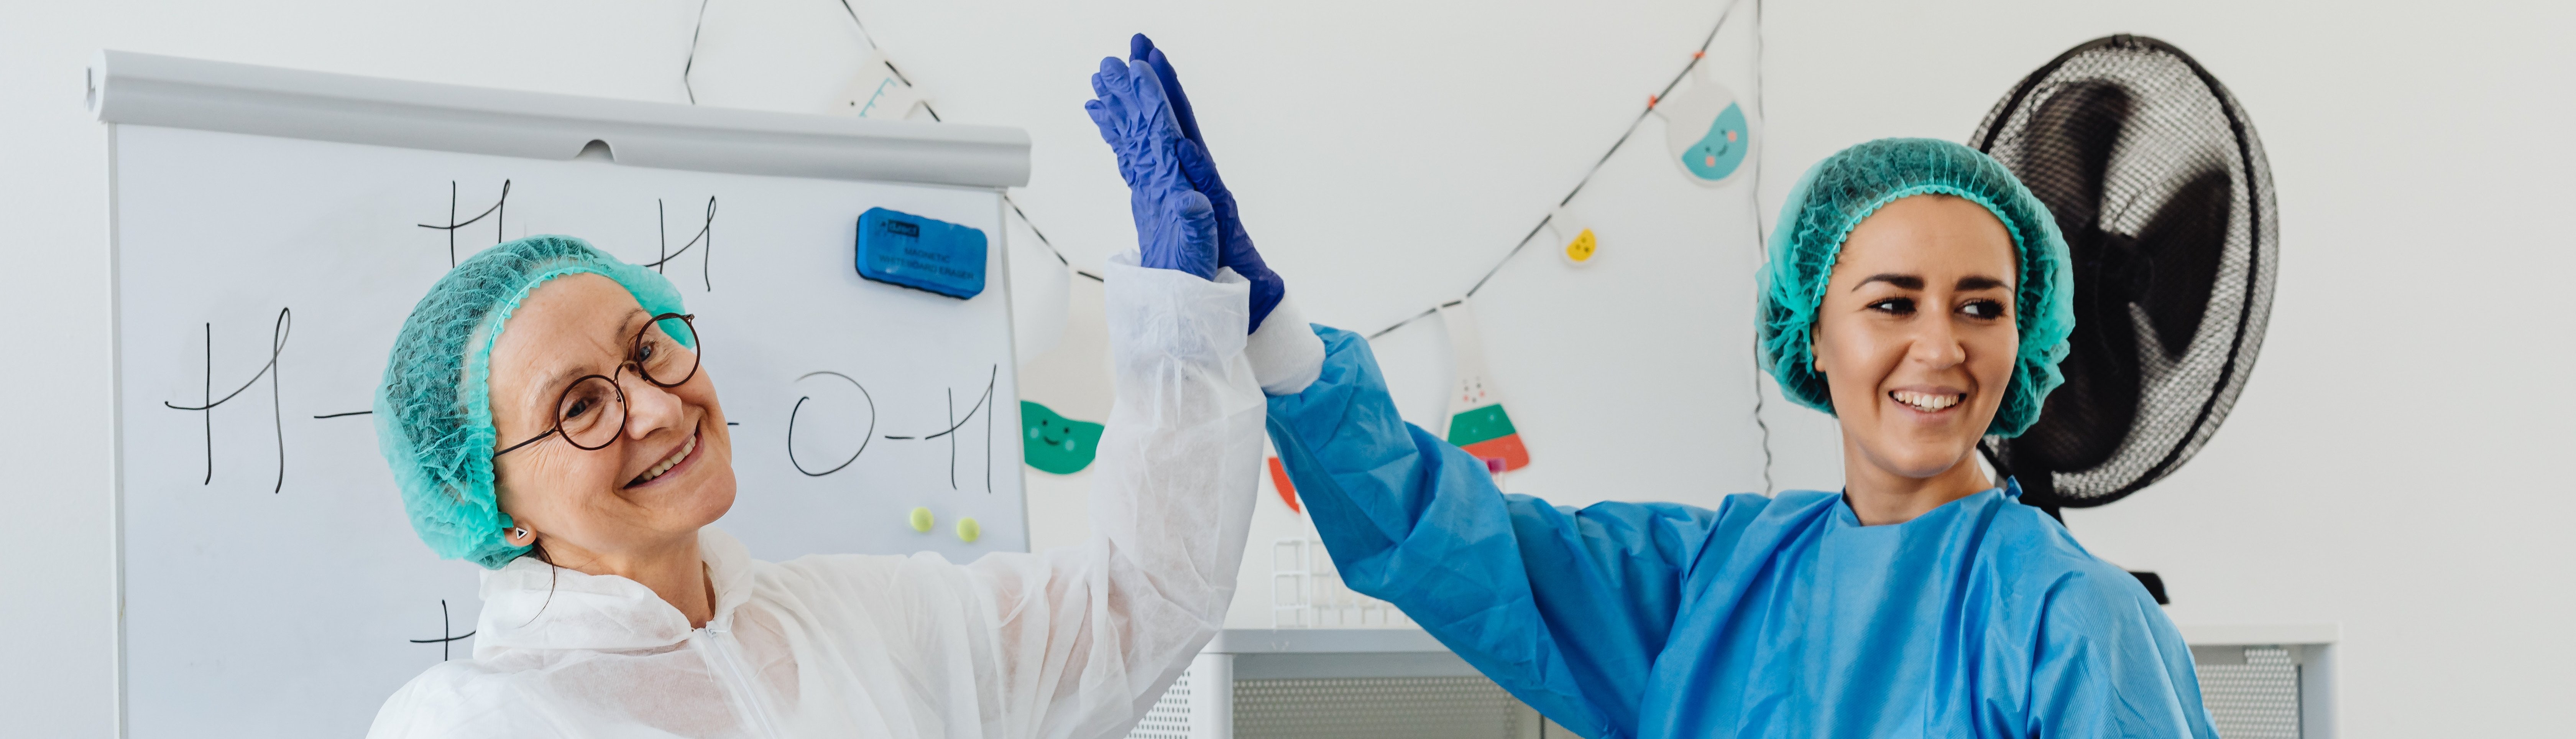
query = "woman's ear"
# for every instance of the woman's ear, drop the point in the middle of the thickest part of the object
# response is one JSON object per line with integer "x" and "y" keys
{"x": 1816, "y": 350}
{"x": 519, "y": 535}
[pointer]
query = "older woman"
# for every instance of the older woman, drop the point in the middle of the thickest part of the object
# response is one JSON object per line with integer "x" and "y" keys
{"x": 546, "y": 416}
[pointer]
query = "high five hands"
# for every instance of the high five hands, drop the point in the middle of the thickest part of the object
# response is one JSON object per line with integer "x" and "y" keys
{"x": 1185, "y": 217}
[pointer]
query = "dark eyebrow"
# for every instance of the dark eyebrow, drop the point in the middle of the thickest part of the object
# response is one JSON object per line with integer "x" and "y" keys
{"x": 1908, "y": 282}
{"x": 1979, "y": 282}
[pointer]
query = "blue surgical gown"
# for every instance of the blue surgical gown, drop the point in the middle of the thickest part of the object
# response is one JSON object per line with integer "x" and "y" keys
{"x": 1765, "y": 617}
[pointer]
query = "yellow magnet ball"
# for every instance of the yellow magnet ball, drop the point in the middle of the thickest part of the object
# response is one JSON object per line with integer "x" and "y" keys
{"x": 968, "y": 530}
{"x": 1580, "y": 249}
{"x": 921, "y": 520}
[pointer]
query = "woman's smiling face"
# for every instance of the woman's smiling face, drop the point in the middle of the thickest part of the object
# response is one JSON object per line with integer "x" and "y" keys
{"x": 607, "y": 500}
{"x": 1916, "y": 335}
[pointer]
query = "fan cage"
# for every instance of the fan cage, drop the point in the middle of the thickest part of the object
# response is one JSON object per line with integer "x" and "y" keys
{"x": 2181, "y": 401}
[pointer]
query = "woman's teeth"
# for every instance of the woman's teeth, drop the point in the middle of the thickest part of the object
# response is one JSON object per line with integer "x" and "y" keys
{"x": 1926, "y": 402}
{"x": 685, "y": 447}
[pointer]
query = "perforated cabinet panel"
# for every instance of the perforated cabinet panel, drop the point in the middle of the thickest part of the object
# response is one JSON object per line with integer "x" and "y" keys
{"x": 2258, "y": 699}
{"x": 1170, "y": 716}
{"x": 1391, "y": 707}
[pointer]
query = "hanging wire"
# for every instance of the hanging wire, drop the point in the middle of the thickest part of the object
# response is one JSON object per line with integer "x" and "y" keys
{"x": 687, "y": 67}
{"x": 1640, "y": 120}
{"x": 692, "y": 63}
{"x": 934, "y": 116}
{"x": 1761, "y": 111}
{"x": 1696, "y": 57}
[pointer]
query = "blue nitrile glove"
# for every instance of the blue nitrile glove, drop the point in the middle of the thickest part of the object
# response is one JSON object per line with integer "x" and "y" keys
{"x": 1234, "y": 246}
{"x": 1175, "y": 224}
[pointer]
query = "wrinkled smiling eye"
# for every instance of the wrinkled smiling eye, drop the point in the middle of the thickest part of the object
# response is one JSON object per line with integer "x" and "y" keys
{"x": 1987, "y": 309}
{"x": 1898, "y": 306}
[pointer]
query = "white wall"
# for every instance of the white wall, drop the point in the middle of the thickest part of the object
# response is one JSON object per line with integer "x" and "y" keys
{"x": 2386, "y": 470}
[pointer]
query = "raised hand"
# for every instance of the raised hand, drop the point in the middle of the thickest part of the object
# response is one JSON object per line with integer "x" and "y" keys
{"x": 1234, "y": 245}
{"x": 1175, "y": 226}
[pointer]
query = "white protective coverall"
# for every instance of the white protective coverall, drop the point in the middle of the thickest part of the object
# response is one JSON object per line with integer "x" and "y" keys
{"x": 1073, "y": 642}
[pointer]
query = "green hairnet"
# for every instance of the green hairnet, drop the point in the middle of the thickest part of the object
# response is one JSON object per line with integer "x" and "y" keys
{"x": 434, "y": 413}
{"x": 1841, "y": 191}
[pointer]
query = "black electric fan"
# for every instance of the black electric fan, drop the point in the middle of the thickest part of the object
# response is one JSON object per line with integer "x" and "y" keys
{"x": 2160, "y": 185}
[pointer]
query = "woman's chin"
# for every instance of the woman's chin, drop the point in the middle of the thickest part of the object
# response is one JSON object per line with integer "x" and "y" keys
{"x": 711, "y": 498}
{"x": 1924, "y": 461}
{"x": 699, "y": 496}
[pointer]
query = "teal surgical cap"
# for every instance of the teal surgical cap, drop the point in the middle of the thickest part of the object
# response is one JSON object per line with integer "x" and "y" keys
{"x": 1841, "y": 191}
{"x": 434, "y": 412}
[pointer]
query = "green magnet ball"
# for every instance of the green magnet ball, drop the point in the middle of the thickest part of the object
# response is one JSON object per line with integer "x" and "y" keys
{"x": 921, "y": 520}
{"x": 968, "y": 530}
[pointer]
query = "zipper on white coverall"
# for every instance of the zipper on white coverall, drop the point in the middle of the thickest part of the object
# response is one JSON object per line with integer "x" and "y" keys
{"x": 723, "y": 654}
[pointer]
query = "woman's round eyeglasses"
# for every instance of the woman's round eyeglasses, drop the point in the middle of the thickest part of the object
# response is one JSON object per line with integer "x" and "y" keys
{"x": 591, "y": 413}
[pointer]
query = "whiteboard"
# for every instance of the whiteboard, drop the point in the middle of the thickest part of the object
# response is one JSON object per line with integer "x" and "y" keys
{"x": 271, "y": 583}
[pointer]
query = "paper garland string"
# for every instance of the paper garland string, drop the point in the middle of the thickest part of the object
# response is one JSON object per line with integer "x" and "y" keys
{"x": 1711, "y": 158}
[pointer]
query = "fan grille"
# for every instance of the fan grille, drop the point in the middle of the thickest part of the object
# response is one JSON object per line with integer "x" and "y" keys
{"x": 2160, "y": 185}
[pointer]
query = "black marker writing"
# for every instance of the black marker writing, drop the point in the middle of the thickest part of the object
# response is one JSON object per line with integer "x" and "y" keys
{"x": 706, "y": 233}
{"x": 863, "y": 438}
{"x": 954, "y": 423}
{"x": 499, "y": 211}
{"x": 276, "y": 346}
{"x": 444, "y": 629}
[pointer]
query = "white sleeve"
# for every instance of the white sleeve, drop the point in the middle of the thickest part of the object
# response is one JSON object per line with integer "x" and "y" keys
{"x": 1086, "y": 638}
{"x": 1286, "y": 355}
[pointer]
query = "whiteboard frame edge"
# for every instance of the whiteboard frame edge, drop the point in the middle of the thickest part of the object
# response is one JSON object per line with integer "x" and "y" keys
{"x": 179, "y": 92}
{"x": 116, "y": 426}
{"x": 1011, "y": 308}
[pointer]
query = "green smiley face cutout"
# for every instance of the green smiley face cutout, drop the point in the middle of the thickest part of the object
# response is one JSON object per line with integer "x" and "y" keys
{"x": 1055, "y": 443}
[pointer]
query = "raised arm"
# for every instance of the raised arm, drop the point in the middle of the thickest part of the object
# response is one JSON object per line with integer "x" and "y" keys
{"x": 1084, "y": 646}
{"x": 1565, "y": 609}
{"x": 1086, "y": 638}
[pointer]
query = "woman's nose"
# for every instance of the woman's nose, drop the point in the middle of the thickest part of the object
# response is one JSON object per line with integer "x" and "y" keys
{"x": 651, "y": 408}
{"x": 1936, "y": 345}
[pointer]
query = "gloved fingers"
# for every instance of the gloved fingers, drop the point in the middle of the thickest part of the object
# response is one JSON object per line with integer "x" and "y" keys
{"x": 1138, "y": 46}
{"x": 1142, "y": 49}
{"x": 1177, "y": 233}
{"x": 1133, "y": 96}
{"x": 1197, "y": 217}
{"x": 1112, "y": 133}
{"x": 1112, "y": 76}
{"x": 1109, "y": 87}
{"x": 1201, "y": 173}
{"x": 1099, "y": 116}
{"x": 1145, "y": 92}
{"x": 1198, "y": 232}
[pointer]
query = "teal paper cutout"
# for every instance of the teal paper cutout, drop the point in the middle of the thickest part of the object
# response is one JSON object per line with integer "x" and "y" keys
{"x": 1717, "y": 154}
{"x": 1055, "y": 443}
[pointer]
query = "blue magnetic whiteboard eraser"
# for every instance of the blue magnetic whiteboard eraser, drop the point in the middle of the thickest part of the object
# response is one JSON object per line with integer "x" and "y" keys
{"x": 921, "y": 253}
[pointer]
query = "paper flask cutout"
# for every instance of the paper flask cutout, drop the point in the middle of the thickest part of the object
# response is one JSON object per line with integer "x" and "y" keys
{"x": 1477, "y": 422}
{"x": 1574, "y": 235}
{"x": 1287, "y": 489}
{"x": 1706, "y": 130}
{"x": 1066, "y": 384}
{"x": 1057, "y": 444}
